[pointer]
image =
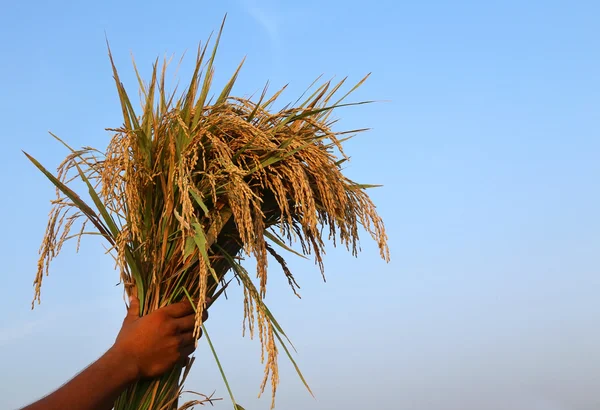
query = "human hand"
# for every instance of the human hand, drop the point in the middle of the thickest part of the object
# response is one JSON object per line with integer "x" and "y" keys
{"x": 151, "y": 345}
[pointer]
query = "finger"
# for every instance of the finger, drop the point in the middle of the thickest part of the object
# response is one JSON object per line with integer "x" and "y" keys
{"x": 188, "y": 361}
{"x": 185, "y": 324}
{"x": 180, "y": 309}
{"x": 205, "y": 310}
{"x": 187, "y": 350}
{"x": 186, "y": 339}
{"x": 209, "y": 302}
{"x": 133, "y": 311}
{"x": 185, "y": 361}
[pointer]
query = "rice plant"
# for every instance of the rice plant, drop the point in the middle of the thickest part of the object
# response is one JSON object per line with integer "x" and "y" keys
{"x": 193, "y": 182}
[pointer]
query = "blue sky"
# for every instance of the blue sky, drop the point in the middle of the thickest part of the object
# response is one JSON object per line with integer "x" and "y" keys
{"x": 487, "y": 142}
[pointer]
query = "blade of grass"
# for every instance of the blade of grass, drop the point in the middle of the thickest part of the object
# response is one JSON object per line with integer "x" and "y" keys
{"x": 199, "y": 200}
{"x": 289, "y": 355}
{"x": 305, "y": 91}
{"x": 277, "y": 328}
{"x": 247, "y": 281}
{"x": 85, "y": 208}
{"x": 112, "y": 226}
{"x": 277, "y": 241}
{"x": 190, "y": 96}
{"x": 227, "y": 90}
{"x": 214, "y": 352}
{"x": 200, "y": 239}
{"x": 364, "y": 186}
{"x": 207, "y": 79}
{"x": 257, "y": 105}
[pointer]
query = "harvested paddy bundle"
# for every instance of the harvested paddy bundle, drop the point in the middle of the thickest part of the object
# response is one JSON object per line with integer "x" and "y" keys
{"x": 191, "y": 183}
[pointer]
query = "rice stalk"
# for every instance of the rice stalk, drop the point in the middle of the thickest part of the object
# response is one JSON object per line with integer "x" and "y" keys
{"x": 191, "y": 183}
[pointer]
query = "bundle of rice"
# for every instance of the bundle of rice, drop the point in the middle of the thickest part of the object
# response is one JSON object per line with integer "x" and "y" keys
{"x": 191, "y": 184}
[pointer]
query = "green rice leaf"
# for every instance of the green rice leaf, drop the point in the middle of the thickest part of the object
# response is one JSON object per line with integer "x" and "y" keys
{"x": 277, "y": 328}
{"x": 258, "y": 104}
{"x": 289, "y": 355}
{"x": 247, "y": 281}
{"x": 207, "y": 79}
{"x": 214, "y": 352}
{"x": 148, "y": 117}
{"x": 276, "y": 157}
{"x": 112, "y": 226}
{"x": 194, "y": 192}
{"x": 280, "y": 243}
{"x": 227, "y": 90}
{"x": 200, "y": 239}
{"x": 190, "y": 96}
{"x": 307, "y": 90}
{"x": 89, "y": 212}
{"x": 129, "y": 116}
{"x": 364, "y": 186}
{"x": 190, "y": 245}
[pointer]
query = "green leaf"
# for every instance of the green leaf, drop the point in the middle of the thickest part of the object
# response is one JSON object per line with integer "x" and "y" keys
{"x": 189, "y": 247}
{"x": 214, "y": 352}
{"x": 273, "y": 98}
{"x": 247, "y": 281}
{"x": 363, "y": 186}
{"x": 148, "y": 117}
{"x": 324, "y": 116}
{"x": 199, "y": 200}
{"x": 276, "y": 157}
{"x": 310, "y": 113}
{"x": 207, "y": 79}
{"x": 79, "y": 203}
{"x": 353, "y": 89}
{"x": 139, "y": 77}
{"x": 243, "y": 275}
{"x": 217, "y": 294}
{"x": 96, "y": 199}
{"x": 131, "y": 262}
{"x": 225, "y": 93}
{"x": 200, "y": 239}
{"x": 277, "y": 241}
{"x": 289, "y": 355}
{"x": 190, "y": 96}
{"x": 323, "y": 89}
{"x": 334, "y": 90}
{"x": 307, "y": 90}
{"x": 129, "y": 116}
{"x": 257, "y": 105}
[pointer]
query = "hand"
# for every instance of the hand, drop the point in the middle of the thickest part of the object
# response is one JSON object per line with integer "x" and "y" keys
{"x": 151, "y": 345}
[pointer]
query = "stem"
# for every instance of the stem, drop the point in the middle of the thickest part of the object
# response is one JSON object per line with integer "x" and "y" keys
{"x": 212, "y": 348}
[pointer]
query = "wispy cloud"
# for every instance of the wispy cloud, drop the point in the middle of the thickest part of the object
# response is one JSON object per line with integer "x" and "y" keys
{"x": 264, "y": 15}
{"x": 12, "y": 334}
{"x": 22, "y": 327}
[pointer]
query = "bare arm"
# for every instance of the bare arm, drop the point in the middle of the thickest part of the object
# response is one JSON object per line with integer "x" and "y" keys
{"x": 145, "y": 347}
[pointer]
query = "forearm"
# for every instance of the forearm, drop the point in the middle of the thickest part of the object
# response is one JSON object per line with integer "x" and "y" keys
{"x": 146, "y": 347}
{"x": 95, "y": 388}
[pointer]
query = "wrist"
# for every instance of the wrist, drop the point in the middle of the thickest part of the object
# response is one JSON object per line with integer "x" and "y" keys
{"x": 123, "y": 363}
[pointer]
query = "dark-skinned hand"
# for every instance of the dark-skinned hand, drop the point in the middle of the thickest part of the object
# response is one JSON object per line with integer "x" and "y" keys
{"x": 154, "y": 343}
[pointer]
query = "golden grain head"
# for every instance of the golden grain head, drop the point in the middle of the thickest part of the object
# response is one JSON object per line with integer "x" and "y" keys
{"x": 188, "y": 186}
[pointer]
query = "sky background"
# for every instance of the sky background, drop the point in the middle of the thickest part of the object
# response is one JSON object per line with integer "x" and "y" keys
{"x": 486, "y": 139}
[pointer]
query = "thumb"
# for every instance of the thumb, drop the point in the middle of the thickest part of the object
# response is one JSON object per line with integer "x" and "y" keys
{"x": 133, "y": 311}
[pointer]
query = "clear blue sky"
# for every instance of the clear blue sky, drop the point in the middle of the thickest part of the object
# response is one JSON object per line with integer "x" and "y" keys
{"x": 488, "y": 148}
